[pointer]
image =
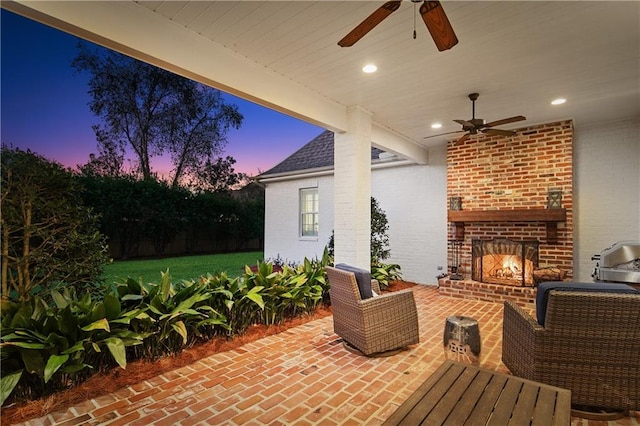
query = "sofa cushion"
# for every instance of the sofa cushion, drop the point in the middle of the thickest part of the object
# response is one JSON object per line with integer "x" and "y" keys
{"x": 363, "y": 278}
{"x": 542, "y": 297}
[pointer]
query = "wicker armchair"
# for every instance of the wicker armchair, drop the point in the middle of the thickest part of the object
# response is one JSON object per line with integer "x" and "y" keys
{"x": 376, "y": 324}
{"x": 589, "y": 344}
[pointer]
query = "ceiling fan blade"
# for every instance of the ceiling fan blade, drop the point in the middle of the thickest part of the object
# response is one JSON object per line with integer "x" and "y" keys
{"x": 438, "y": 25}
{"x": 442, "y": 134}
{"x": 498, "y": 132}
{"x": 464, "y": 123}
{"x": 505, "y": 121}
{"x": 463, "y": 138}
{"x": 369, "y": 23}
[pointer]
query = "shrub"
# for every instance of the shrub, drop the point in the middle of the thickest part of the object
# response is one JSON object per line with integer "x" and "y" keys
{"x": 134, "y": 212}
{"x": 172, "y": 316}
{"x": 48, "y": 236}
{"x": 293, "y": 290}
{"x": 48, "y": 348}
{"x": 379, "y": 228}
{"x": 379, "y": 238}
{"x": 385, "y": 273}
{"x": 239, "y": 302}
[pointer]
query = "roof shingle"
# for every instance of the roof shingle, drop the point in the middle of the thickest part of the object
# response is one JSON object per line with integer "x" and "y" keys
{"x": 317, "y": 153}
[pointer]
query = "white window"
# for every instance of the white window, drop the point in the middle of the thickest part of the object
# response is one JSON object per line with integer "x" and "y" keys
{"x": 309, "y": 212}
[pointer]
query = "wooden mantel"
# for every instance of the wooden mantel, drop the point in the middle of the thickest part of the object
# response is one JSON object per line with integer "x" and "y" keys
{"x": 523, "y": 215}
{"x": 550, "y": 217}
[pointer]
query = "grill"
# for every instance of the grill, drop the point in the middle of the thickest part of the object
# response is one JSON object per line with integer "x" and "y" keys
{"x": 619, "y": 263}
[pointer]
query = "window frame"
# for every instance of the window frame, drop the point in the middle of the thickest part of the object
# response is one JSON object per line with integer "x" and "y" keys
{"x": 308, "y": 208}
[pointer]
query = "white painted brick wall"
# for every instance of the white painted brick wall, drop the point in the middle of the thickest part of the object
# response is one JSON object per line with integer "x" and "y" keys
{"x": 413, "y": 197}
{"x": 282, "y": 236}
{"x": 414, "y": 200}
{"x": 607, "y": 189}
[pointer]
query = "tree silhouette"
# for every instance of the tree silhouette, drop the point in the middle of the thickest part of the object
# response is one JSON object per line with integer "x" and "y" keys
{"x": 154, "y": 112}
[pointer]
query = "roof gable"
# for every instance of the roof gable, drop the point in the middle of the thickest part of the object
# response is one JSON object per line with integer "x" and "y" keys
{"x": 317, "y": 153}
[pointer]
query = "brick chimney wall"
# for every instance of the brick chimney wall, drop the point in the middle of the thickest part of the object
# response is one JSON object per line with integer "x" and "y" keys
{"x": 514, "y": 173}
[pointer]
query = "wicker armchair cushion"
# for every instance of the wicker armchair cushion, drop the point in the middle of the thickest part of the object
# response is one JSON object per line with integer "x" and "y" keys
{"x": 363, "y": 278}
{"x": 542, "y": 296}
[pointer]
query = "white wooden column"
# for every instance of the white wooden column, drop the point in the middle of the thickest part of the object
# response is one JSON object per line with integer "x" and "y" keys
{"x": 352, "y": 190}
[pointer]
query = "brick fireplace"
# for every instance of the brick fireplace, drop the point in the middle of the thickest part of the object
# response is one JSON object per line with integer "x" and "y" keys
{"x": 516, "y": 188}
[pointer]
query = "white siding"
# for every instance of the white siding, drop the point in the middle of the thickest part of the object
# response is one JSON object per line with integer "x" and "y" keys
{"x": 607, "y": 190}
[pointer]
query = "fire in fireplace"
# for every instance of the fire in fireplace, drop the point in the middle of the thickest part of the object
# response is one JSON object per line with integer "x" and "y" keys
{"x": 503, "y": 261}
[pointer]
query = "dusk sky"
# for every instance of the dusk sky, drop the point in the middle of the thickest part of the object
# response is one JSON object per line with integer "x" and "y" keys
{"x": 44, "y": 105}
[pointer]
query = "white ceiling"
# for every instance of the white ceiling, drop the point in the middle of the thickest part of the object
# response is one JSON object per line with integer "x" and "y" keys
{"x": 519, "y": 55}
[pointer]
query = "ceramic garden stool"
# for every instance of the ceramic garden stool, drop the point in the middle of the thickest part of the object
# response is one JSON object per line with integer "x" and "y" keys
{"x": 462, "y": 339}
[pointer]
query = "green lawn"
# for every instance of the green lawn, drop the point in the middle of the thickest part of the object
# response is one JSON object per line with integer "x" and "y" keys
{"x": 181, "y": 268}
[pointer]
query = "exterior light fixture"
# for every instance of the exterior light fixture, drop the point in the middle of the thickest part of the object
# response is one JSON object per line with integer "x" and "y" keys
{"x": 558, "y": 101}
{"x": 436, "y": 125}
{"x": 369, "y": 68}
{"x": 554, "y": 199}
{"x": 455, "y": 203}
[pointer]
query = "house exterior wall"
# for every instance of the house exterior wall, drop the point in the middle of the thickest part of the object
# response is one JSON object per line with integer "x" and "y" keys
{"x": 606, "y": 202}
{"x": 282, "y": 225}
{"x": 414, "y": 199}
{"x": 412, "y": 196}
{"x": 607, "y": 184}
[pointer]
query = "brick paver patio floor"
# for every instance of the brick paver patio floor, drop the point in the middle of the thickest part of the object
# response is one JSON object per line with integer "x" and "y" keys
{"x": 303, "y": 376}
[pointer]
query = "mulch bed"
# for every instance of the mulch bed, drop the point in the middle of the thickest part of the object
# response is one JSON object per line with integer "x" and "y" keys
{"x": 137, "y": 371}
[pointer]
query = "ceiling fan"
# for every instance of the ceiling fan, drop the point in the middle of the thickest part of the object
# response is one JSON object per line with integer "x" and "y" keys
{"x": 475, "y": 125}
{"x": 432, "y": 14}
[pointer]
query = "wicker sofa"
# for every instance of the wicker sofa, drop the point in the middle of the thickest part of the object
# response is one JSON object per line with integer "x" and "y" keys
{"x": 586, "y": 339}
{"x": 365, "y": 319}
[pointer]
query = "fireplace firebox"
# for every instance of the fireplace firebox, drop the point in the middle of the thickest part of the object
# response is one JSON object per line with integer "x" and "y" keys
{"x": 503, "y": 261}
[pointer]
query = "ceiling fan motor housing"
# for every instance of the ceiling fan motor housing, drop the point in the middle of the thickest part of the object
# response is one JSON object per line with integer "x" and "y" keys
{"x": 475, "y": 125}
{"x": 477, "y": 122}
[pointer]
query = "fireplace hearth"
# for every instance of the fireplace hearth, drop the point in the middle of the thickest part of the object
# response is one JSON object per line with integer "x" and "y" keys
{"x": 504, "y": 261}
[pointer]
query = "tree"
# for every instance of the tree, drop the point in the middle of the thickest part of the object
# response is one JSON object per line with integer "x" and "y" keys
{"x": 48, "y": 235}
{"x": 108, "y": 163}
{"x": 217, "y": 176}
{"x": 155, "y": 112}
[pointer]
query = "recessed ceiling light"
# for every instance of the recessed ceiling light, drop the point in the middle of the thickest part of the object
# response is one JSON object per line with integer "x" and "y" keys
{"x": 436, "y": 125}
{"x": 558, "y": 101}
{"x": 369, "y": 68}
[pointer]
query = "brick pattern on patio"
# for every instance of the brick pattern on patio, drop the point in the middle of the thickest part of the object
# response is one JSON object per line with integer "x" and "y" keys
{"x": 303, "y": 376}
